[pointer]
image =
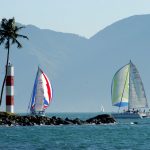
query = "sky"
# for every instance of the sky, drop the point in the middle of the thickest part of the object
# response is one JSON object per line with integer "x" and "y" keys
{"x": 82, "y": 17}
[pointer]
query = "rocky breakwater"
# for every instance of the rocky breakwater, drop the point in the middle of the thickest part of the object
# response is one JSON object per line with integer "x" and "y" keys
{"x": 13, "y": 120}
{"x": 101, "y": 119}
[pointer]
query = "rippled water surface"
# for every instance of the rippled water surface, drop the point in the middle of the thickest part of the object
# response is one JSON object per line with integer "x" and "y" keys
{"x": 123, "y": 135}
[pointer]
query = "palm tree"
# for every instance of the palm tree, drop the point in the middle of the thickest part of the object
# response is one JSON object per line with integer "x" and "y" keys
{"x": 8, "y": 35}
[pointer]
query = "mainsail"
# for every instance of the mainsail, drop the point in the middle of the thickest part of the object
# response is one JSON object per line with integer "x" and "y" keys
{"x": 137, "y": 97}
{"x": 42, "y": 93}
{"x": 127, "y": 88}
{"x": 102, "y": 108}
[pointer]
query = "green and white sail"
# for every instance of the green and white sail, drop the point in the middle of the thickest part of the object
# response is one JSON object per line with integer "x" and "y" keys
{"x": 120, "y": 87}
{"x": 127, "y": 88}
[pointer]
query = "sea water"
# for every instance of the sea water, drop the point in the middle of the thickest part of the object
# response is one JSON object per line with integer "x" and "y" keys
{"x": 124, "y": 135}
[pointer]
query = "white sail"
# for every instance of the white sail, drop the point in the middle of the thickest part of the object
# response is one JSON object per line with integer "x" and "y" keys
{"x": 102, "y": 108}
{"x": 137, "y": 97}
{"x": 39, "y": 93}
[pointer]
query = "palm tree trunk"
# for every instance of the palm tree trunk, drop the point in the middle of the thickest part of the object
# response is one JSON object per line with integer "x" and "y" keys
{"x": 2, "y": 89}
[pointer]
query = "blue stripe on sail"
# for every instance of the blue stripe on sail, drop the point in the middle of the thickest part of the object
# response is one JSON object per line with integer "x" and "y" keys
{"x": 46, "y": 102}
{"x": 34, "y": 92}
{"x": 121, "y": 104}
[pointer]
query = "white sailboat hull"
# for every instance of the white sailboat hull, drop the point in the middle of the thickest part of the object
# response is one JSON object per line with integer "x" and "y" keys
{"x": 129, "y": 115}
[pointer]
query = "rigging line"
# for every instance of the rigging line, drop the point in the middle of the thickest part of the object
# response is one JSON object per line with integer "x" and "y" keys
{"x": 123, "y": 91}
{"x": 29, "y": 104}
{"x": 130, "y": 85}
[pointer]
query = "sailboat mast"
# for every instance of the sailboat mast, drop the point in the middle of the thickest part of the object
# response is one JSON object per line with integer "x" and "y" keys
{"x": 129, "y": 83}
{"x": 124, "y": 88}
{"x": 34, "y": 88}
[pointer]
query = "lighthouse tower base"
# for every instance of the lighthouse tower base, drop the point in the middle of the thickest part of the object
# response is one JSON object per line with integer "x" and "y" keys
{"x": 10, "y": 89}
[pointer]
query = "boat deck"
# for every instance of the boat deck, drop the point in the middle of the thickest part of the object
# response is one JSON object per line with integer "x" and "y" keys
{"x": 129, "y": 115}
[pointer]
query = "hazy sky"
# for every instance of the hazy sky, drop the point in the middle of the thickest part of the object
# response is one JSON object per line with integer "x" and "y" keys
{"x": 83, "y": 17}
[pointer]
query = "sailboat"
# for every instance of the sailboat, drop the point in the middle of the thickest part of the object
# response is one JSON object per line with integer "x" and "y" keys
{"x": 41, "y": 94}
{"x": 102, "y": 108}
{"x": 127, "y": 92}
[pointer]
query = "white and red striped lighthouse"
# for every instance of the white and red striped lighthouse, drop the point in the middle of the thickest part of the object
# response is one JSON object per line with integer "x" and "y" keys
{"x": 10, "y": 89}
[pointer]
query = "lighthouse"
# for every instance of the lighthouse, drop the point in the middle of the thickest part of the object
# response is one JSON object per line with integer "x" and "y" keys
{"x": 10, "y": 89}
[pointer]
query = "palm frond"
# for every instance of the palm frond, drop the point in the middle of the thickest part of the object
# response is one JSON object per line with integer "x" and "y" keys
{"x": 18, "y": 28}
{"x": 1, "y": 31}
{"x": 18, "y": 44}
{"x": 3, "y": 23}
{"x": 2, "y": 40}
{"x": 8, "y": 30}
{"x": 23, "y": 36}
{"x": 13, "y": 40}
